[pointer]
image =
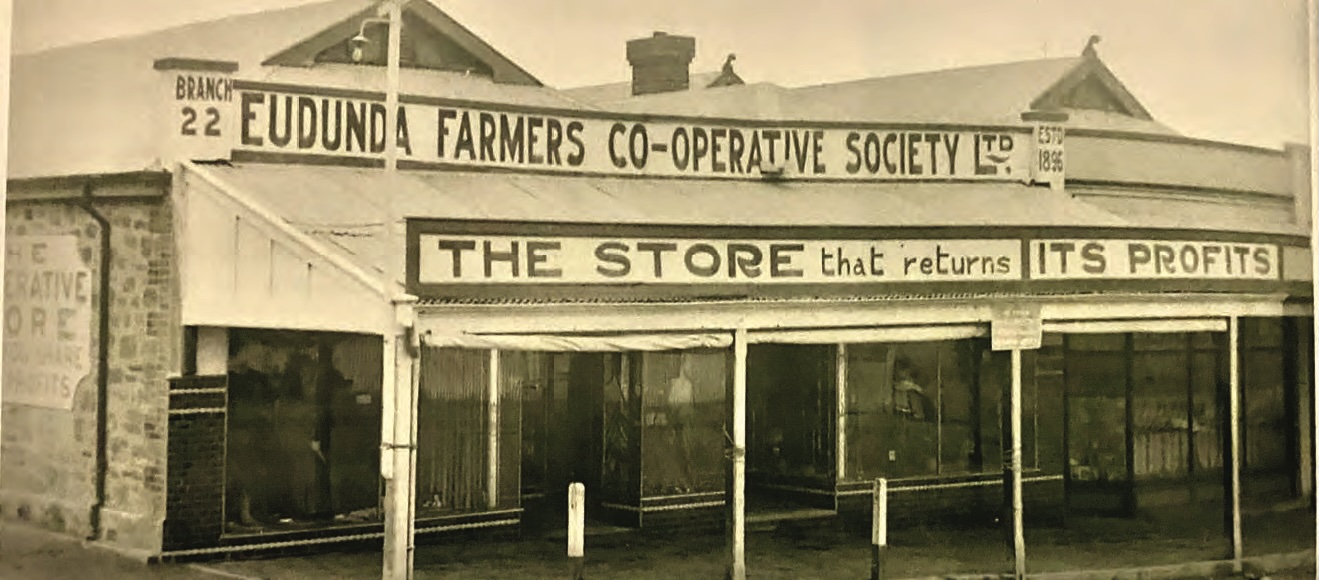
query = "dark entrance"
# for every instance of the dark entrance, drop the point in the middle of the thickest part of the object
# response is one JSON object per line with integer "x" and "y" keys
{"x": 563, "y": 425}
{"x": 791, "y": 435}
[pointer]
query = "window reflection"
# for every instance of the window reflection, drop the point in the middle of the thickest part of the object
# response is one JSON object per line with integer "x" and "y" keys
{"x": 682, "y": 425}
{"x": 303, "y": 427}
{"x": 927, "y": 408}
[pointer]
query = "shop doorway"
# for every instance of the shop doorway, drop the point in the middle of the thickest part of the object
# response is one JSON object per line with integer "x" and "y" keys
{"x": 562, "y": 428}
{"x": 1096, "y": 377}
{"x": 791, "y": 438}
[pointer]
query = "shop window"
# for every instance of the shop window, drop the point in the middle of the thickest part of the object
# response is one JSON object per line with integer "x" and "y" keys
{"x": 791, "y": 407}
{"x": 932, "y": 408}
{"x": 683, "y": 417}
{"x": 303, "y": 430}
{"x": 454, "y": 432}
{"x": 1174, "y": 420}
{"x": 1264, "y": 415}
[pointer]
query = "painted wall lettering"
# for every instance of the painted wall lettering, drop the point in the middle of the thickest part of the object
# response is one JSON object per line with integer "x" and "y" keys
{"x": 1133, "y": 259}
{"x": 453, "y": 259}
{"x": 556, "y": 141}
{"x": 47, "y": 320}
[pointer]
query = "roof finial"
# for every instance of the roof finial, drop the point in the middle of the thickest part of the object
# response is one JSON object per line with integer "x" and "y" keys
{"x": 728, "y": 63}
{"x": 1090, "y": 46}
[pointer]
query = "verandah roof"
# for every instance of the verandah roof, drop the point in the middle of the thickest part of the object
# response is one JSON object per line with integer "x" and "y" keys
{"x": 343, "y": 207}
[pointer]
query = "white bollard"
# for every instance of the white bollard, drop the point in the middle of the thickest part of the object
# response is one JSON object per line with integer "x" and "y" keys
{"x": 878, "y": 529}
{"x": 577, "y": 528}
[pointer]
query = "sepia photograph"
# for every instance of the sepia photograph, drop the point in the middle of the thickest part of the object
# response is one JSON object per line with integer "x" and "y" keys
{"x": 658, "y": 289}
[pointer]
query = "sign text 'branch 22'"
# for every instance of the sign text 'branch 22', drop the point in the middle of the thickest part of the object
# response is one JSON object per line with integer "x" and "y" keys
{"x": 699, "y": 148}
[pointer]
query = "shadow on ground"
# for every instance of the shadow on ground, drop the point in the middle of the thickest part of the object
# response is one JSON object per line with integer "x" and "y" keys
{"x": 826, "y": 549}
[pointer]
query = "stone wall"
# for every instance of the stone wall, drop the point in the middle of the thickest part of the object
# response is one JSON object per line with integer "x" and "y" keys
{"x": 48, "y": 462}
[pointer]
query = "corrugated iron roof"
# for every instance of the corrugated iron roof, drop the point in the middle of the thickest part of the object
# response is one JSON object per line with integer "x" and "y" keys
{"x": 344, "y": 206}
{"x": 1201, "y": 213}
{"x": 994, "y": 94}
{"x": 614, "y": 92}
{"x": 330, "y": 196}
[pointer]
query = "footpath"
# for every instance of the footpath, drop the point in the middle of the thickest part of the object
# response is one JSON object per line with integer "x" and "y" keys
{"x": 1277, "y": 545}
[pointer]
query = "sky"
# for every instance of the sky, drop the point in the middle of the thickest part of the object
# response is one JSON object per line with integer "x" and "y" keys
{"x": 1229, "y": 70}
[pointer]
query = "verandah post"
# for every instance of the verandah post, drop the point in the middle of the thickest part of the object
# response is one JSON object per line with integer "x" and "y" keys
{"x": 1234, "y": 439}
{"x": 1018, "y": 528}
{"x": 737, "y": 569}
{"x": 492, "y": 432}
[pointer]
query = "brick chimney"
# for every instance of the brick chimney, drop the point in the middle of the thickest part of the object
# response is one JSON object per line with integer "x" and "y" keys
{"x": 660, "y": 63}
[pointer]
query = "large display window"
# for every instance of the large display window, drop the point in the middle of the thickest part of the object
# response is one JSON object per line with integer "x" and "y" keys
{"x": 1264, "y": 418}
{"x": 683, "y": 417}
{"x": 455, "y": 432}
{"x": 303, "y": 430}
{"x": 922, "y": 409}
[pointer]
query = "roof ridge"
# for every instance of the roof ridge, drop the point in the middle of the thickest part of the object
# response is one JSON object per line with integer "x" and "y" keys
{"x": 694, "y": 74}
{"x": 942, "y": 71}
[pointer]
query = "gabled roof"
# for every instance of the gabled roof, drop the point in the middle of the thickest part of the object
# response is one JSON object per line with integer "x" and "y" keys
{"x": 976, "y": 94}
{"x": 1091, "y": 85}
{"x": 994, "y": 94}
{"x": 989, "y": 94}
{"x": 420, "y": 14}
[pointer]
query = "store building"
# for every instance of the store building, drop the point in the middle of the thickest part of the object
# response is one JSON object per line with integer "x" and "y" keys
{"x": 198, "y": 282}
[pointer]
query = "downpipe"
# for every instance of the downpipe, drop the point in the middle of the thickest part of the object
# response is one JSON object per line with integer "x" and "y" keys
{"x": 102, "y": 360}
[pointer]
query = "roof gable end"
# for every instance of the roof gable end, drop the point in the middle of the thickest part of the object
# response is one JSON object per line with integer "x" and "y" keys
{"x": 1090, "y": 85}
{"x": 431, "y": 39}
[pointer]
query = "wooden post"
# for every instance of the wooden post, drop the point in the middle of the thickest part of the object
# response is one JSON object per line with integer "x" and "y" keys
{"x": 1234, "y": 438}
{"x": 1018, "y": 529}
{"x": 737, "y": 569}
{"x": 878, "y": 529}
{"x": 492, "y": 432}
{"x": 577, "y": 528}
{"x": 400, "y": 493}
{"x": 1304, "y": 407}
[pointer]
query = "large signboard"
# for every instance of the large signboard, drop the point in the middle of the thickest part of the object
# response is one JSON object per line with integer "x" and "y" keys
{"x": 458, "y": 259}
{"x": 1062, "y": 259}
{"x": 541, "y": 140}
{"x": 448, "y": 259}
{"x": 47, "y": 318}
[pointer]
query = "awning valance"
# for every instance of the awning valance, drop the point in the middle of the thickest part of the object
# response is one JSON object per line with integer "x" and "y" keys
{"x": 571, "y": 343}
{"x": 1115, "y": 326}
{"x": 866, "y": 335}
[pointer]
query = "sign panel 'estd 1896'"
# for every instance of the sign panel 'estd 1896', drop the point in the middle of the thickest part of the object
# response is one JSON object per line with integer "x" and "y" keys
{"x": 557, "y": 141}
{"x": 457, "y": 259}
